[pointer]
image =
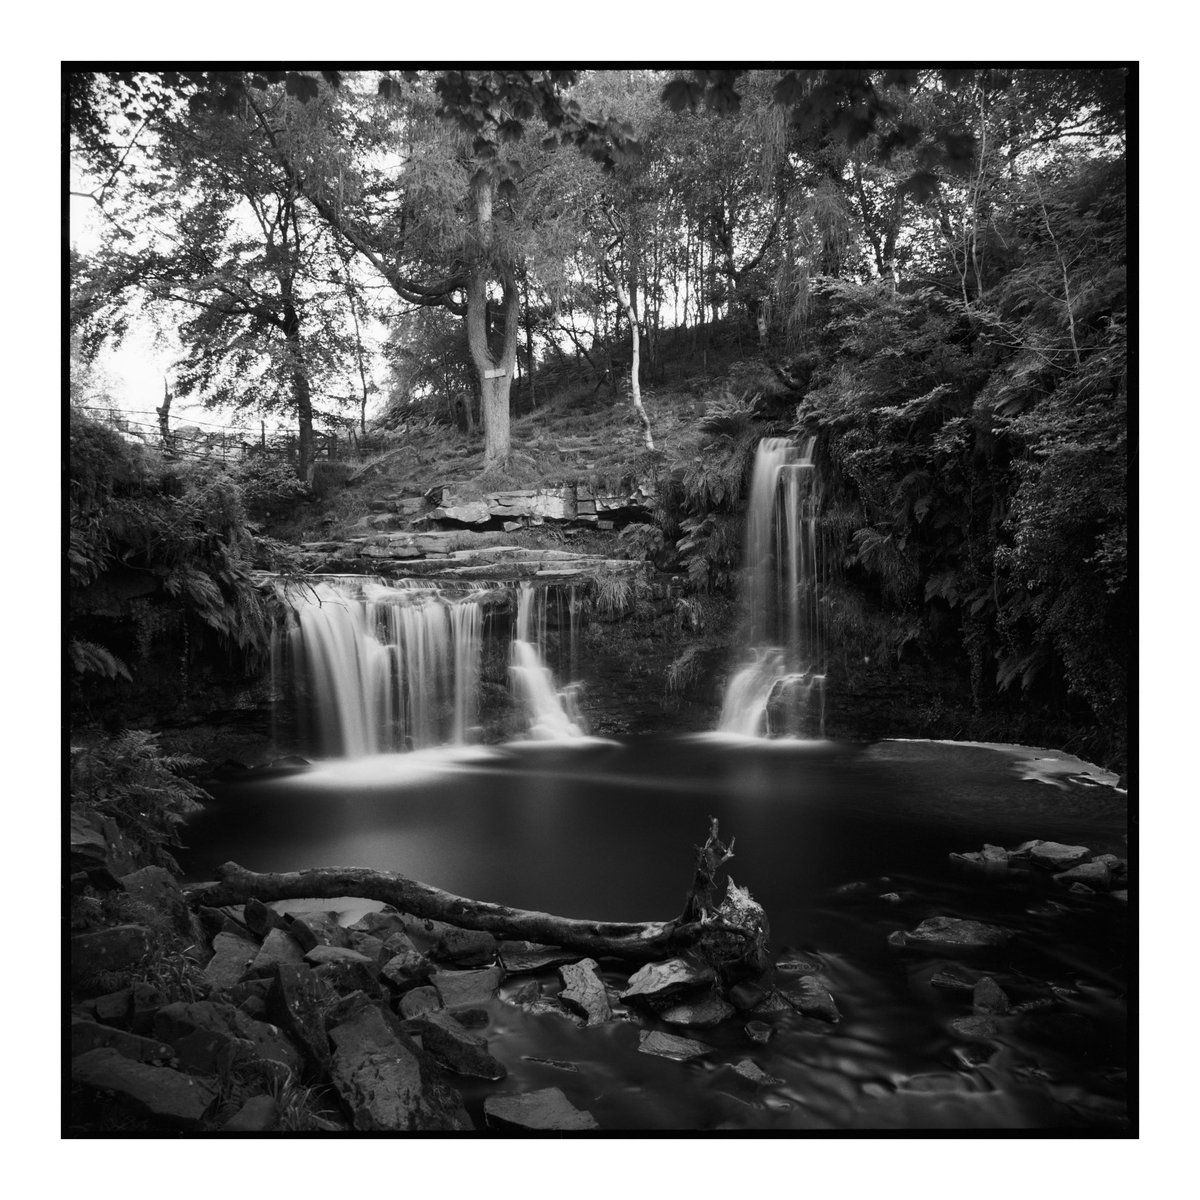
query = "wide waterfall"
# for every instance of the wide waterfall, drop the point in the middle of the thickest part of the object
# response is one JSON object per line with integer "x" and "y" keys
{"x": 552, "y": 714}
{"x": 379, "y": 667}
{"x": 779, "y": 689}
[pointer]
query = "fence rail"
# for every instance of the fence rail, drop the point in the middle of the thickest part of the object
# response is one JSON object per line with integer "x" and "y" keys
{"x": 209, "y": 442}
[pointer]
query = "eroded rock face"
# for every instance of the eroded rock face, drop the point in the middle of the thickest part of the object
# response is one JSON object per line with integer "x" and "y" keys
{"x": 546, "y": 1109}
{"x": 161, "y": 1093}
{"x": 381, "y": 1078}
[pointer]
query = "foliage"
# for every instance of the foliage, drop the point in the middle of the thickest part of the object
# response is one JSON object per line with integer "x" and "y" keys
{"x": 267, "y": 484}
{"x": 129, "y": 779}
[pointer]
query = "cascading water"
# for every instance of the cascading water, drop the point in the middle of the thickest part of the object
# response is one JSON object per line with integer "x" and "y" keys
{"x": 383, "y": 666}
{"x": 781, "y": 688}
{"x": 552, "y": 714}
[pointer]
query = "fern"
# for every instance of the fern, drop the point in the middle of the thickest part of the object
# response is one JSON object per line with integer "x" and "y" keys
{"x": 88, "y": 656}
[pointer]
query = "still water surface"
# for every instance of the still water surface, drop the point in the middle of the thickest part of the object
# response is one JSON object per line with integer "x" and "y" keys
{"x": 606, "y": 831}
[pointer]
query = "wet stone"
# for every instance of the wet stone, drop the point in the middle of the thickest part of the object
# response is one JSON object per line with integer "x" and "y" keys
{"x": 210, "y": 1036}
{"x": 406, "y": 970}
{"x": 1093, "y": 874}
{"x": 556, "y": 1063}
{"x": 521, "y": 957}
{"x": 465, "y": 947}
{"x": 668, "y": 1045}
{"x": 748, "y": 1069}
{"x": 759, "y": 1031}
{"x": 812, "y": 998}
{"x": 547, "y": 1109}
{"x": 369, "y": 946}
{"x": 465, "y": 989}
{"x": 978, "y": 1028}
{"x": 584, "y": 991}
{"x": 1054, "y": 855}
{"x": 420, "y": 1000}
{"x": 454, "y": 1047}
{"x": 955, "y": 931}
{"x": 989, "y": 998}
{"x": 318, "y": 928}
{"x": 279, "y": 949}
{"x": 232, "y": 956}
{"x": 702, "y": 1013}
{"x": 950, "y": 981}
{"x": 658, "y": 980}
{"x": 299, "y": 1002}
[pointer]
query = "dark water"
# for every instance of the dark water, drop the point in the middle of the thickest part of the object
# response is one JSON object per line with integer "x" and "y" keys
{"x": 606, "y": 831}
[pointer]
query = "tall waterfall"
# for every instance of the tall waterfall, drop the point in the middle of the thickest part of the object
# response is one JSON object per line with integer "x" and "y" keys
{"x": 780, "y": 686}
{"x": 552, "y": 714}
{"x": 383, "y": 667}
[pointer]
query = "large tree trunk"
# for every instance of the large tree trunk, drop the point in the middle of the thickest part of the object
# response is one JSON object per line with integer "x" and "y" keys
{"x": 301, "y": 391}
{"x": 635, "y": 387}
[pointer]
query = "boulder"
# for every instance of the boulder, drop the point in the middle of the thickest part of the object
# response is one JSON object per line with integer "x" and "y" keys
{"x": 701, "y": 1013}
{"x": 656, "y": 981}
{"x": 369, "y": 946}
{"x": 380, "y": 923}
{"x": 583, "y": 990}
{"x": 260, "y": 919}
{"x": 521, "y": 957}
{"x": 420, "y": 1000}
{"x": 472, "y": 512}
{"x": 279, "y": 949}
{"x": 988, "y": 997}
{"x": 668, "y": 1045}
{"x": 299, "y": 1002}
{"x": 89, "y": 1035}
{"x": 1094, "y": 874}
{"x": 232, "y": 957}
{"x": 113, "y": 1008}
{"x": 384, "y": 1081}
{"x": 547, "y": 1109}
{"x": 463, "y": 989}
{"x": 451, "y": 1046}
{"x": 114, "y": 949}
{"x": 161, "y": 1093}
{"x": 211, "y": 1036}
{"x": 953, "y": 931}
{"x": 318, "y": 928}
{"x": 809, "y": 995}
{"x": 465, "y": 947}
{"x": 257, "y": 1115}
{"x": 1053, "y": 855}
{"x": 406, "y": 970}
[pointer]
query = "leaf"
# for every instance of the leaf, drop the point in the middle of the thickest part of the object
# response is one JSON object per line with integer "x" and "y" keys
{"x": 682, "y": 93}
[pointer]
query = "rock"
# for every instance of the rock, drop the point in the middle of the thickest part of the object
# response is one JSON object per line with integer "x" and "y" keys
{"x": 798, "y": 966}
{"x": 951, "y": 981}
{"x": 1053, "y": 855}
{"x": 393, "y": 944}
{"x": 465, "y": 947}
{"x": 954, "y": 931}
{"x": 279, "y": 949}
{"x": 462, "y": 989}
{"x": 144, "y": 1002}
{"x": 1121, "y": 894}
{"x": 1094, "y": 874}
{"x": 370, "y": 946}
{"x": 473, "y": 1018}
{"x": 251, "y": 995}
{"x": 1118, "y": 867}
{"x": 406, "y": 970}
{"x": 457, "y": 1049}
{"x": 530, "y": 1000}
{"x": 97, "y": 844}
{"x": 112, "y": 949}
{"x": 520, "y": 957}
{"x": 557, "y": 1063}
{"x": 299, "y": 1002}
{"x": 759, "y": 1031}
{"x": 1081, "y": 889}
{"x": 113, "y": 1008}
{"x": 318, "y": 928}
{"x": 260, "y": 919}
{"x": 979, "y": 1028}
{"x": 161, "y": 1093}
{"x": 659, "y": 980}
{"x": 320, "y": 956}
{"x": 383, "y": 1079}
{"x": 547, "y": 1109}
{"x": 988, "y": 997}
{"x": 420, "y": 1000}
{"x": 347, "y": 975}
{"x": 211, "y": 1036}
{"x": 746, "y": 996}
{"x": 668, "y": 1045}
{"x": 474, "y": 512}
{"x": 703, "y": 1013}
{"x": 232, "y": 957}
{"x": 89, "y": 1035}
{"x": 773, "y": 1002}
{"x": 750, "y": 1070}
{"x": 584, "y": 991}
{"x": 891, "y": 897}
{"x": 810, "y": 996}
{"x": 257, "y": 1115}
{"x": 381, "y": 923}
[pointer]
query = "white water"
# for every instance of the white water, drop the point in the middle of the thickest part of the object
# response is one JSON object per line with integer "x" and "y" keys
{"x": 779, "y": 688}
{"x": 384, "y": 667}
{"x": 553, "y": 715}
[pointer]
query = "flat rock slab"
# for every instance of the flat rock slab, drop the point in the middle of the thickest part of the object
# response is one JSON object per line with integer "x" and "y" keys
{"x": 463, "y": 989}
{"x": 750, "y": 1070}
{"x": 465, "y": 947}
{"x": 658, "y": 980}
{"x": 954, "y": 931}
{"x": 299, "y": 1002}
{"x": 108, "y": 950}
{"x": 1093, "y": 874}
{"x": 406, "y": 970}
{"x": 211, "y": 1036}
{"x": 452, "y": 1046}
{"x": 279, "y": 948}
{"x": 232, "y": 958}
{"x": 88, "y": 1035}
{"x": 759, "y": 1031}
{"x": 547, "y": 1109}
{"x": 703, "y": 1013}
{"x": 320, "y": 956}
{"x": 420, "y": 1000}
{"x": 584, "y": 991}
{"x": 522, "y": 957}
{"x": 667, "y": 1045}
{"x": 160, "y": 1092}
{"x": 977, "y": 1028}
{"x": 1053, "y": 855}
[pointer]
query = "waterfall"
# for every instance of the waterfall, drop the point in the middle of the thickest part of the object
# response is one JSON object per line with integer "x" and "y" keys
{"x": 552, "y": 714}
{"x": 382, "y": 666}
{"x": 780, "y": 686}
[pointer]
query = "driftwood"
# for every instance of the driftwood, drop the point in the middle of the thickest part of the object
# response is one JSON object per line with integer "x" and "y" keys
{"x": 732, "y": 936}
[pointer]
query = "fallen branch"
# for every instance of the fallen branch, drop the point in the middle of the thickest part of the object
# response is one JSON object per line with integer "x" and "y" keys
{"x": 727, "y": 939}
